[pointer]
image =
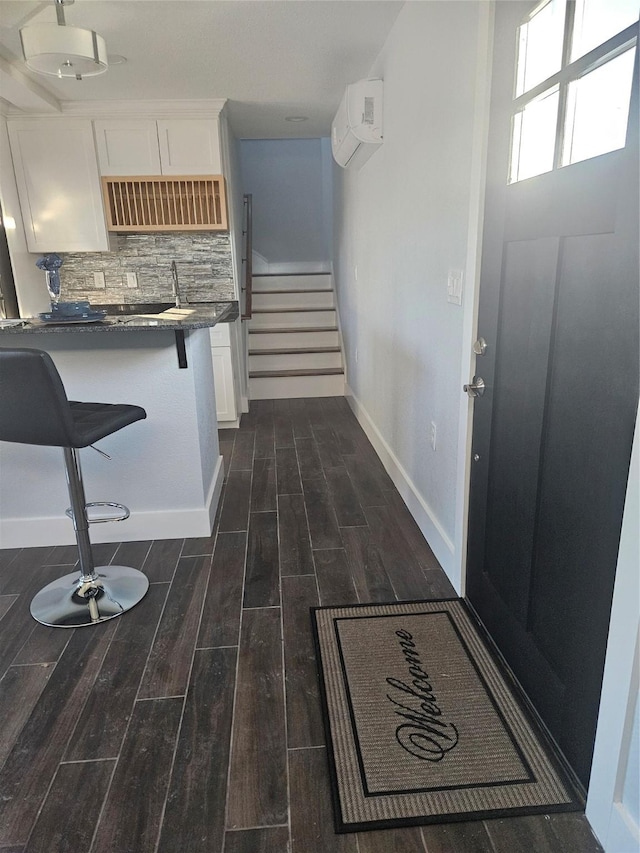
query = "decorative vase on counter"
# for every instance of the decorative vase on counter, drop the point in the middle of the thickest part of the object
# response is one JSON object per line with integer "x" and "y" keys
{"x": 51, "y": 264}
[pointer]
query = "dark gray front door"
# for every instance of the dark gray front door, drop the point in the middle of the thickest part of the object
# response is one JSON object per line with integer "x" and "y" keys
{"x": 552, "y": 432}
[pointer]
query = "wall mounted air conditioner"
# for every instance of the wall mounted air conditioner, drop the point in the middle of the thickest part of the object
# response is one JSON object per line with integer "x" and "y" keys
{"x": 356, "y": 130}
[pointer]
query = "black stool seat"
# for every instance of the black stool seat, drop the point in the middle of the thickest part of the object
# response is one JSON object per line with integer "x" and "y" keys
{"x": 93, "y": 421}
{"x": 34, "y": 409}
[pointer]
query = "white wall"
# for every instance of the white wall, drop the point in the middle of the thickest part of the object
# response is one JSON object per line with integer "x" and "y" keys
{"x": 289, "y": 181}
{"x": 403, "y": 221}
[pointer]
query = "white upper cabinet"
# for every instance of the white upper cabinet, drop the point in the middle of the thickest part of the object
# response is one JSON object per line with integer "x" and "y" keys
{"x": 59, "y": 185}
{"x": 164, "y": 147}
{"x": 189, "y": 147}
{"x": 128, "y": 147}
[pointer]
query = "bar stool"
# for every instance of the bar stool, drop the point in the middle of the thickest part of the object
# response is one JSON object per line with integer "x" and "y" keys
{"x": 34, "y": 409}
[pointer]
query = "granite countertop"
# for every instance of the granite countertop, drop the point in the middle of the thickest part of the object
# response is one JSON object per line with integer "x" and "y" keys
{"x": 193, "y": 316}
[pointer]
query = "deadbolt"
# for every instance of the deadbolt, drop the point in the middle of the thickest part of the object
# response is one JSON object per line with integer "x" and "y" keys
{"x": 475, "y": 388}
{"x": 480, "y": 346}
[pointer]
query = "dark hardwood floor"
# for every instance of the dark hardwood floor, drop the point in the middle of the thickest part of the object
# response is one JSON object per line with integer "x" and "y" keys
{"x": 192, "y": 724}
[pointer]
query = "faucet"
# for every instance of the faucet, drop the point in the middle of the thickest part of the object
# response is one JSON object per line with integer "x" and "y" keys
{"x": 176, "y": 285}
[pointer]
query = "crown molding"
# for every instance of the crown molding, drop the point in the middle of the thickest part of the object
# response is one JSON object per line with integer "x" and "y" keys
{"x": 210, "y": 108}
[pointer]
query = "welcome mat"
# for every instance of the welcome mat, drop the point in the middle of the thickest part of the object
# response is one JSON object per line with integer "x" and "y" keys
{"x": 421, "y": 724}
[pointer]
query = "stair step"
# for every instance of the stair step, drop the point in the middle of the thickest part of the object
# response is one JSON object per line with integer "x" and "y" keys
{"x": 312, "y": 281}
{"x": 272, "y": 330}
{"x": 292, "y": 338}
{"x": 308, "y": 371}
{"x": 292, "y": 318}
{"x": 286, "y": 310}
{"x": 292, "y": 351}
{"x": 292, "y": 300}
{"x": 291, "y": 359}
{"x": 284, "y": 387}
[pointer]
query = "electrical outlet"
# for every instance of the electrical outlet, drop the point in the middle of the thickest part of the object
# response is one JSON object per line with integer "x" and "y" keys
{"x": 98, "y": 281}
{"x": 132, "y": 279}
{"x": 432, "y": 435}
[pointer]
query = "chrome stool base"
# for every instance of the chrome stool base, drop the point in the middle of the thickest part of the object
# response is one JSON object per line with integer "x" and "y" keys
{"x": 73, "y": 601}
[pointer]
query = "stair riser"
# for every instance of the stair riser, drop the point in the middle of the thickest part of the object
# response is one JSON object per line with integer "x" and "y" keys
{"x": 295, "y": 361}
{"x": 293, "y": 319}
{"x": 263, "y": 283}
{"x": 282, "y": 387}
{"x": 280, "y": 340}
{"x": 293, "y": 300}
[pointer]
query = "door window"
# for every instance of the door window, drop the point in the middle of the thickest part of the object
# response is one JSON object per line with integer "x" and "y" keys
{"x": 540, "y": 41}
{"x": 597, "y": 110}
{"x": 596, "y": 21}
{"x": 534, "y": 136}
{"x": 572, "y": 89}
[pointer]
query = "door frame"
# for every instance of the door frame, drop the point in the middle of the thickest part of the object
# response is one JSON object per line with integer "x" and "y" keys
{"x": 605, "y": 811}
{"x": 619, "y": 693}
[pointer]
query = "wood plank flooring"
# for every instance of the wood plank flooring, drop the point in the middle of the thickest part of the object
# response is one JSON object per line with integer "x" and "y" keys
{"x": 192, "y": 723}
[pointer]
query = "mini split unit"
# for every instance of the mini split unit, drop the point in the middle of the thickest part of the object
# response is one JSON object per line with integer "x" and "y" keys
{"x": 356, "y": 131}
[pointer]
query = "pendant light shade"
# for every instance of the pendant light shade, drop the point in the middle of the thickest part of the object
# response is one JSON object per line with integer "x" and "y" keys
{"x": 64, "y": 51}
{"x": 61, "y": 51}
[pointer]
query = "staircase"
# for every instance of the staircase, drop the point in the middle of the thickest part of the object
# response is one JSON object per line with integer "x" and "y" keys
{"x": 294, "y": 347}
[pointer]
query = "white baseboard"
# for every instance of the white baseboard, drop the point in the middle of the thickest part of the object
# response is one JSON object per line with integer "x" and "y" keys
{"x": 425, "y": 518}
{"x": 234, "y": 424}
{"x": 163, "y": 524}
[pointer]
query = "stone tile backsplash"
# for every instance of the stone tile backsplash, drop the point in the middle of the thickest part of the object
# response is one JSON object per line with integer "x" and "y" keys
{"x": 205, "y": 270}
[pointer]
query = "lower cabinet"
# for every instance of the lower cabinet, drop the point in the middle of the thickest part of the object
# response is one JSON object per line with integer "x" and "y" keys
{"x": 223, "y": 374}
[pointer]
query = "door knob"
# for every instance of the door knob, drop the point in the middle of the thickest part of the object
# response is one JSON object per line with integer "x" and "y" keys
{"x": 475, "y": 388}
{"x": 480, "y": 346}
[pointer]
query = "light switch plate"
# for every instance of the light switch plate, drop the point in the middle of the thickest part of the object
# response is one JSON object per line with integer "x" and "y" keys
{"x": 98, "y": 281}
{"x": 132, "y": 279}
{"x": 454, "y": 287}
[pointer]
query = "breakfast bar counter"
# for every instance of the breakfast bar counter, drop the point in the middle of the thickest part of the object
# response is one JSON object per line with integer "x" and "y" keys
{"x": 167, "y": 469}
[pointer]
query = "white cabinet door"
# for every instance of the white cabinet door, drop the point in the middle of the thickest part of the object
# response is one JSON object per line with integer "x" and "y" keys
{"x": 223, "y": 383}
{"x": 59, "y": 185}
{"x": 189, "y": 147}
{"x": 128, "y": 147}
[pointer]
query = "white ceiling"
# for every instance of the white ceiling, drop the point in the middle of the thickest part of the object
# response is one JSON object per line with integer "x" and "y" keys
{"x": 270, "y": 58}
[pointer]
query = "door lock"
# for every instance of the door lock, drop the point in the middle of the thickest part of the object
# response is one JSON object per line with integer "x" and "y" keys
{"x": 475, "y": 388}
{"x": 480, "y": 346}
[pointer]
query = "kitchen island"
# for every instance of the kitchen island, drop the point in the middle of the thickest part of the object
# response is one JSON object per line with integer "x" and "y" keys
{"x": 167, "y": 469}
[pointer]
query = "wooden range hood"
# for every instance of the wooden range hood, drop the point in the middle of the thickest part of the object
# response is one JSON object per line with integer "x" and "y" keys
{"x": 162, "y": 203}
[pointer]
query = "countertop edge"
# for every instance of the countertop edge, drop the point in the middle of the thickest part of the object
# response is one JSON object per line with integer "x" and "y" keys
{"x": 127, "y": 323}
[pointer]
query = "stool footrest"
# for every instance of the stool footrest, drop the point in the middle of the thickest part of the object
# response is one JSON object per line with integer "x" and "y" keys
{"x": 123, "y": 514}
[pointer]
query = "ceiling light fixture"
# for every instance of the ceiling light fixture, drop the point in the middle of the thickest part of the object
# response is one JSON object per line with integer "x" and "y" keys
{"x": 296, "y": 118}
{"x": 61, "y": 51}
